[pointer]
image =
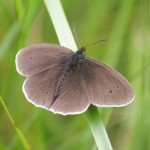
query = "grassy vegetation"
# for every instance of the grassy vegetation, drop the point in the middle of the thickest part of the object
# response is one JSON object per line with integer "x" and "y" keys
{"x": 127, "y": 26}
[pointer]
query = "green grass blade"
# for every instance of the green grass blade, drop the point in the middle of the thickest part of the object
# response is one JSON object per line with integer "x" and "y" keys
{"x": 119, "y": 32}
{"x": 61, "y": 24}
{"x": 66, "y": 39}
{"x": 98, "y": 129}
{"x": 32, "y": 10}
{"x": 19, "y": 9}
{"x": 20, "y": 134}
{"x": 8, "y": 40}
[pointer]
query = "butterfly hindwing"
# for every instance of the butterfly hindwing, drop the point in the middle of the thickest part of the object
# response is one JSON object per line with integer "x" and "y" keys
{"x": 39, "y": 89}
{"x": 73, "y": 98}
{"x": 105, "y": 86}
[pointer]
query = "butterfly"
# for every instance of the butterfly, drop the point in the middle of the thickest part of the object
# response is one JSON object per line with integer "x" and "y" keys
{"x": 67, "y": 82}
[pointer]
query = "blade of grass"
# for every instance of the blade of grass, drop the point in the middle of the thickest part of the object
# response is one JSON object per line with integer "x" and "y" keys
{"x": 119, "y": 31}
{"x": 19, "y": 8}
{"x": 24, "y": 127}
{"x": 8, "y": 40}
{"x": 66, "y": 39}
{"x": 20, "y": 134}
{"x": 32, "y": 10}
{"x": 61, "y": 24}
{"x": 98, "y": 129}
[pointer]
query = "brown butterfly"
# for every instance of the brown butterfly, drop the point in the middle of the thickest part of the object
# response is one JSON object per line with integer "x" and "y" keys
{"x": 65, "y": 82}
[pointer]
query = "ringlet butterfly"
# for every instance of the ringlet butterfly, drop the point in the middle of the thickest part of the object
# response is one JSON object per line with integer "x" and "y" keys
{"x": 66, "y": 82}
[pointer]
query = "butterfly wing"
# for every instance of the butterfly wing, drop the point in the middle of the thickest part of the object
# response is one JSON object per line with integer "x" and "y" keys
{"x": 39, "y": 88}
{"x": 39, "y": 57}
{"x": 105, "y": 86}
{"x": 74, "y": 97}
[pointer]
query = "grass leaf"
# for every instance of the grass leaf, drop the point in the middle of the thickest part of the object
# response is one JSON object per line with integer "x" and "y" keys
{"x": 20, "y": 134}
{"x": 66, "y": 39}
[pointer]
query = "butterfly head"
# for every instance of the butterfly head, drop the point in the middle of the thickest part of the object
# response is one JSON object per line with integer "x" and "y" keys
{"x": 81, "y": 52}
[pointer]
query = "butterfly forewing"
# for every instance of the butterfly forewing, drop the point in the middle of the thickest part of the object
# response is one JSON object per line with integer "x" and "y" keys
{"x": 105, "y": 86}
{"x": 39, "y": 57}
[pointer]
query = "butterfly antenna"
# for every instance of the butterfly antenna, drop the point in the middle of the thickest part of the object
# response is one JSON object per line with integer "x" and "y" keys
{"x": 96, "y": 42}
{"x": 76, "y": 38}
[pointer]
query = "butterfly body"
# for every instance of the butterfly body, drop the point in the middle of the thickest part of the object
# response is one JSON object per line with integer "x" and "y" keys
{"x": 72, "y": 64}
{"x": 65, "y": 82}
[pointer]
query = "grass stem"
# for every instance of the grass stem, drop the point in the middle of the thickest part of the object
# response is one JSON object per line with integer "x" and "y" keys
{"x": 66, "y": 39}
{"x": 20, "y": 134}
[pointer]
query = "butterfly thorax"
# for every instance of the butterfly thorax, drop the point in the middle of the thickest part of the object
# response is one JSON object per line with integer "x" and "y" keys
{"x": 72, "y": 64}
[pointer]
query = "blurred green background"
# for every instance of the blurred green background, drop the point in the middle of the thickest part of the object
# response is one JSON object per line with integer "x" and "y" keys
{"x": 126, "y": 24}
